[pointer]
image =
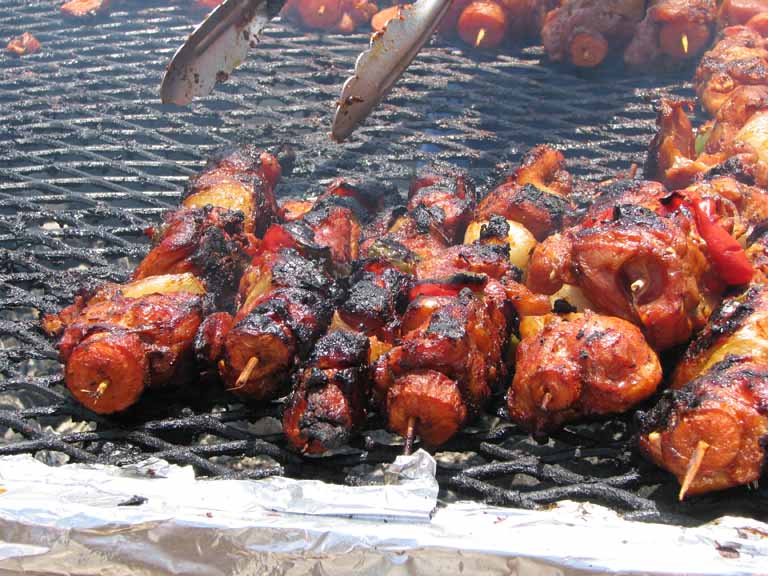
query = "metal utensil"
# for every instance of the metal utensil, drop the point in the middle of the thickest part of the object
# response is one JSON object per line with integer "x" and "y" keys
{"x": 379, "y": 67}
{"x": 216, "y": 47}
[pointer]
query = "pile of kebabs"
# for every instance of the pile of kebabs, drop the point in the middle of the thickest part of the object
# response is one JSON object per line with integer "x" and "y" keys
{"x": 579, "y": 32}
{"x": 422, "y": 311}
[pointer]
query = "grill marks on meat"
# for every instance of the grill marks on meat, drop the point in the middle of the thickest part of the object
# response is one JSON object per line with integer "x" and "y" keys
{"x": 208, "y": 242}
{"x": 286, "y": 303}
{"x": 280, "y": 330}
{"x": 287, "y": 298}
{"x": 635, "y": 265}
{"x": 738, "y": 327}
{"x": 711, "y": 433}
{"x": 580, "y": 365}
{"x": 328, "y": 401}
{"x": 376, "y": 300}
{"x": 443, "y": 370}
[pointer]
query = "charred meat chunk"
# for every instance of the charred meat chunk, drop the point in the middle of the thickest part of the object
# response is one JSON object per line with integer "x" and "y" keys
{"x": 328, "y": 401}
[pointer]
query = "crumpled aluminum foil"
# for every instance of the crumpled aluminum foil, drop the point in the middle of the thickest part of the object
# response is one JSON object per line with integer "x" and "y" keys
{"x": 155, "y": 517}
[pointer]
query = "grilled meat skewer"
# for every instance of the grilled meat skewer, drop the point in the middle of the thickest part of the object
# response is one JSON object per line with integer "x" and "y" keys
{"x": 578, "y": 365}
{"x": 125, "y": 338}
{"x": 581, "y": 32}
{"x": 672, "y": 29}
{"x": 329, "y": 397}
{"x": 710, "y": 433}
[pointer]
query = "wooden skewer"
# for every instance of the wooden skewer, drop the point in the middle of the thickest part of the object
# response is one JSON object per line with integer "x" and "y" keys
{"x": 409, "y": 434}
{"x": 480, "y": 36}
{"x": 693, "y": 467}
{"x": 546, "y": 400}
{"x": 685, "y": 43}
{"x": 246, "y": 373}
{"x": 101, "y": 387}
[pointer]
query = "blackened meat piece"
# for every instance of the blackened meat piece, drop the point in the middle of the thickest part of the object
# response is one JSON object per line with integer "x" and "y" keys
{"x": 207, "y": 242}
{"x": 241, "y": 180}
{"x": 328, "y": 401}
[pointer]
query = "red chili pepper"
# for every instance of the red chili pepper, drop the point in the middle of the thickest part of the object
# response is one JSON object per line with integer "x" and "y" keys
{"x": 726, "y": 253}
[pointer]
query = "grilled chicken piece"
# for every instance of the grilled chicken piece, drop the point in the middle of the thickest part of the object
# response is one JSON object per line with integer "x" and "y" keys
{"x": 23, "y": 45}
{"x": 734, "y": 144}
{"x": 80, "y": 8}
{"x": 208, "y": 242}
{"x": 448, "y": 361}
{"x": 739, "y": 58}
{"x": 710, "y": 433}
{"x": 328, "y": 402}
{"x": 672, "y": 30}
{"x": 282, "y": 268}
{"x": 243, "y": 180}
{"x": 579, "y": 365}
{"x": 439, "y": 209}
{"x": 581, "y": 32}
{"x": 535, "y": 195}
{"x": 445, "y": 200}
{"x": 735, "y": 12}
{"x": 262, "y": 348}
{"x": 472, "y": 265}
{"x": 285, "y": 304}
{"x": 633, "y": 264}
{"x": 739, "y": 327}
{"x": 54, "y": 324}
{"x": 377, "y": 298}
{"x": 116, "y": 348}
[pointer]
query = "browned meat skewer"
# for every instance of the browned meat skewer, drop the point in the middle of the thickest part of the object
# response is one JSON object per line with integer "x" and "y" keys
{"x": 579, "y": 365}
{"x": 124, "y": 338}
{"x": 581, "y": 32}
{"x": 710, "y": 433}
{"x": 672, "y": 30}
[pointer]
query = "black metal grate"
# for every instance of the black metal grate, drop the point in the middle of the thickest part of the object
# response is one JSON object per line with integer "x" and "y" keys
{"x": 89, "y": 158}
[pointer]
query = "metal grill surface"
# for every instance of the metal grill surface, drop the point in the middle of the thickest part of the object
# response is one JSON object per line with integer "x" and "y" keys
{"x": 89, "y": 158}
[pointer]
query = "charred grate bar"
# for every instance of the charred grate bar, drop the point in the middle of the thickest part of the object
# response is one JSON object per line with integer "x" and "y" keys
{"x": 89, "y": 158}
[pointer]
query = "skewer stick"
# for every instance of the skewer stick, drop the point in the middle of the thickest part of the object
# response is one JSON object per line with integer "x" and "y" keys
{"x": 246, "y": 373}
{"x": 321, "y": 10}
{"x": 409, "y": 434}
{"x": 546, "y": 400}
{"x": 101, "y": 387}
{"x": 693, "y": 467}
{"x": 684, "y": 41}
{"x": 480, "y": 36}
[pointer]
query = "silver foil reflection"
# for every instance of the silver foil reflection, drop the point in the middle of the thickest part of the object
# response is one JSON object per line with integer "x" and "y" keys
{"x": 157, "y": 518}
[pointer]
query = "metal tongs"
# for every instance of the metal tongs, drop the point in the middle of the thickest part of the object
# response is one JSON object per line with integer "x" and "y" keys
{"x": 221, "y": 42}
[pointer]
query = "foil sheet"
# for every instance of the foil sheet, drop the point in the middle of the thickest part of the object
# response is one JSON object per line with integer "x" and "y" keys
{"x": 155, "y": 517}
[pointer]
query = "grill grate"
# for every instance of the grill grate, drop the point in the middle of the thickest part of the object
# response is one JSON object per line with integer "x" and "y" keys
{"x": 89, "y": 158}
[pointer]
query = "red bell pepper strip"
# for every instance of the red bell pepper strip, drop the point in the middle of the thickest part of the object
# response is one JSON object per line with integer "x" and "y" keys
{"x": 727, "y": 255}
